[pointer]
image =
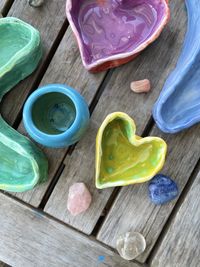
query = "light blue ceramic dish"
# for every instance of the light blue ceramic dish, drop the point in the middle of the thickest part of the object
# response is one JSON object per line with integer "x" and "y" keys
{"x": 56, "y": 116}
{"x": 178, "y": 106}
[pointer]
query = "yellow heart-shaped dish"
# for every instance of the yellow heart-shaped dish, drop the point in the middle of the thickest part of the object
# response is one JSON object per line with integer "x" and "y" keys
{"x": 123, "y": 158}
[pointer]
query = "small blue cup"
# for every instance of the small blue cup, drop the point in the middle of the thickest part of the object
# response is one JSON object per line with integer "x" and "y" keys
{"x": 56, "y": 116}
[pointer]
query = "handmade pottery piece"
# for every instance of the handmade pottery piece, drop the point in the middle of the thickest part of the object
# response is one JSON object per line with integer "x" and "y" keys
{"x": 22, "y": 164}
{"x": 122, "y": 158}
{"x": 20, "y": 52}
{"x": 178, "y": 106}
{"x": 56, "y": 115}
{"x": 162, "y": 189}
{"x": 111, "y": 33}
{"x": 131, "y": 245}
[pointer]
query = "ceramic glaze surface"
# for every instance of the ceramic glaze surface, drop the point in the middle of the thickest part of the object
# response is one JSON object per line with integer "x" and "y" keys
{"x": 178, "y": 106}
{"x": 129, "y": 25}
{"x": 122, "y": 158}
{"x": 109, "y": 28}
{"x": 20, "y": 52}
{"x": 56, "y": 115}
{"x": 8, "y": 45}
{"x": 22, "y": 164}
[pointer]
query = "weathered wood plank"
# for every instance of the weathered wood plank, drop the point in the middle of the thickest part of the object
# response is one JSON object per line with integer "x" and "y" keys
{"x": 65, "y": 67}
{"x": 180, "y": 246}
{"x": 29, "y": 238}
{"x": 117, "y": 96}
{"x": 133, "y": 210}
{"x": 44, "y": 20}
{"x": 79, "y": 168}
{"x": 4, "y": 4}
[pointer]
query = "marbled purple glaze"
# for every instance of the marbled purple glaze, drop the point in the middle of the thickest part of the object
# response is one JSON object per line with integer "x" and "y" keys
{"x": 110, "y": 27}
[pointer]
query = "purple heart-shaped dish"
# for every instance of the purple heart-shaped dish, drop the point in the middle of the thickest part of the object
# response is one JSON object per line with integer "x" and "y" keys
{"x": 113, "y": 32}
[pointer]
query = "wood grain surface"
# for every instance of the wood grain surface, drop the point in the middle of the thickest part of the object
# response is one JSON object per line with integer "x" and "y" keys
{"x": 133, "y": 210}
{"x": 180, "y": 247}
{"x": 66, "y": 67}
{"x": 159, "y": 58}
{"x": 4, "y": 5}
{"x": 28, "y": 238}
{"x": 43, "y": 19}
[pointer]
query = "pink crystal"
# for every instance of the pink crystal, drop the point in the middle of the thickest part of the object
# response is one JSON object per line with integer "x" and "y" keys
{"x": 79, "y": 198}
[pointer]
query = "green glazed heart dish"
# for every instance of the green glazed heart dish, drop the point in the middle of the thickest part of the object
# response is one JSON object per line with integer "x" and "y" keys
{"x": 20, "y": 52}
{"x": 122, "y": 157}
{"x": 22, "y": 164}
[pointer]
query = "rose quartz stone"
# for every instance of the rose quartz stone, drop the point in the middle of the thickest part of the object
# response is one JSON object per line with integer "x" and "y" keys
{"x": 79, "y": 199}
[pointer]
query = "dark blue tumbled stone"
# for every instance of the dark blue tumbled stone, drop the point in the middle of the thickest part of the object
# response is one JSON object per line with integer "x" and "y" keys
{"x": 162, "y": 189}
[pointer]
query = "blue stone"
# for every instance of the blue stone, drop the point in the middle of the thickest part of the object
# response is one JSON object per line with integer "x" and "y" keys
{"x": 162, "y": 189}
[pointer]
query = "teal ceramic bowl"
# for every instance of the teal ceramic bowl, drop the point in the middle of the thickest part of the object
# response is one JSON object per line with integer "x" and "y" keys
{"x": 56, "y": 116}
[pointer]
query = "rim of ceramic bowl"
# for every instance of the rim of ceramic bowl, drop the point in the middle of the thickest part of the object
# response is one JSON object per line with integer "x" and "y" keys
{"x": 35, "y": 37}
{"x": 30, "y": 126}
{"x": 141, "y": 47}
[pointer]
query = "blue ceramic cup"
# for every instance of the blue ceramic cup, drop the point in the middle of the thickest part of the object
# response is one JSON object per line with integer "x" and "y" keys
{"x": 56, "y": 115}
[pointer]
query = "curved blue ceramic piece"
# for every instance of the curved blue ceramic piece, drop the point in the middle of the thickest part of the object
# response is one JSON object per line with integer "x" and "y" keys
{"x": 56, "y": 116}
{"x": 178, "y": 106}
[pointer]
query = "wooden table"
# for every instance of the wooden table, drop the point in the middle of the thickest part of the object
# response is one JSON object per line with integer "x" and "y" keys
{"x": 36, "y": 228}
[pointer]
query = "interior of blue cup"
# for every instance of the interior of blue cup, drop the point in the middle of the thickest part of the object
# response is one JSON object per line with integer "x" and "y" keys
{"x": 112, "y": 27}
{"x": 53, "y": 113}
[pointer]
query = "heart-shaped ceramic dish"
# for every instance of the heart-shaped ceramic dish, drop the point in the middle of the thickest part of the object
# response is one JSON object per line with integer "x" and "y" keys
{"x": 122, "y": 158}
{"x": 113, "y": 32}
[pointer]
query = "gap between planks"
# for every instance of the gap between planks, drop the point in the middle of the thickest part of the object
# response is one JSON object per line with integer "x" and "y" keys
{"x": 149, "y": 126}
{"x": 174, "y": 212}
{"x": 38, "y": 233}
{"x": 43, "y": 69}
{"x": 139, "y": 214}
{"x": 51, "y": 36}
{"x": 5, "y": 5}
{"x": 149, "y": 64}
{"x": 41, "y": 212}
{"x": 180, "y": 245}
{"x": 70, "y": 150}
{"x": 65, "y": 67}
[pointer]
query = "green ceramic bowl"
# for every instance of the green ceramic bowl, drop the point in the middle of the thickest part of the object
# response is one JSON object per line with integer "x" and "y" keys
{"x": 20, "y": 52}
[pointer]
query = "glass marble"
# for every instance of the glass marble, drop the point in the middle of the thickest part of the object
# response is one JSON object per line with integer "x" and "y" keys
{"x": 131, "y": 245}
